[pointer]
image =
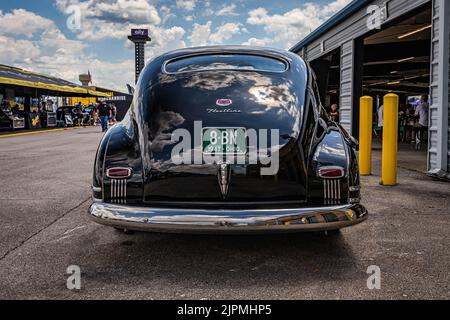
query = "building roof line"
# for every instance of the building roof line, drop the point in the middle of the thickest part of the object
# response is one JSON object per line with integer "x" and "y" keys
{"x": 337, "y": 18}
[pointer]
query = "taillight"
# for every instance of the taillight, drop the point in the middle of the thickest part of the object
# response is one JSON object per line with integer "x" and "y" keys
{"x": 118, "y": 173}
{"x": 329, "y": 172}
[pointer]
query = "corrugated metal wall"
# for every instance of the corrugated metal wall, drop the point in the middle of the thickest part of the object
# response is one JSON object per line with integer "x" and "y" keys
{"x": 346, "y": 90}
{"x": 439, "y": 143}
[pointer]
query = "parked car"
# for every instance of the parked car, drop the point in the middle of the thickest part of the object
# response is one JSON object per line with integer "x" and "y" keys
{"x": 153, "y": 171}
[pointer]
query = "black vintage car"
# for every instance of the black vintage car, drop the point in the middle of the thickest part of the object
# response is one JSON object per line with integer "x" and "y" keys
{"x": 227, "y": 139}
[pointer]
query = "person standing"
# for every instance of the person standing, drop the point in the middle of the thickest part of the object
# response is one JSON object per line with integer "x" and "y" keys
{"x": 79, "y": 114}
{"x": 380, "y": 121}
{"x": 334, "y": 113}
{"x": 114, "y": 113}
{"x": 104, "y": 112}
{"x": 95, "y": 114}
{"x": 422, "y": 112}
{"x": 380, "y": 116}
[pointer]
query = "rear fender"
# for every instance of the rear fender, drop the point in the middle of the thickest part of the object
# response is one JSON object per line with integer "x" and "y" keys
{"x": 118, "y": 148}
{"x": 331, "y": 150}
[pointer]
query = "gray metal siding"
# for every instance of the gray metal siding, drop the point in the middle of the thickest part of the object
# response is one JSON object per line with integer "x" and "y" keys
{"x": 356, "y": 26}
{"x": 346, "y": 96}
{"x": 439, "y": 142}
{"x": 434, "y": 73}
{"x": 448, "y": 95}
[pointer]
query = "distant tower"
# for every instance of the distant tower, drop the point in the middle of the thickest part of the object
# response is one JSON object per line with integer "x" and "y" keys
{"x": 85, "y": 79}
{"x": 140, "y": 38}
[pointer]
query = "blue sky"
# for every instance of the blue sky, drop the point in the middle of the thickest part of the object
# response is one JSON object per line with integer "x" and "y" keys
{"x": 68, "y": 37}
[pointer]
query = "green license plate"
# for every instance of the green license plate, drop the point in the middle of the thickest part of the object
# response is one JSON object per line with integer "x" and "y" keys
{"x": 224, "y": 141}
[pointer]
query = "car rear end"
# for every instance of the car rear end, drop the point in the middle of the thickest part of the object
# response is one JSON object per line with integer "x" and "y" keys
{"x": 223, "y": 141}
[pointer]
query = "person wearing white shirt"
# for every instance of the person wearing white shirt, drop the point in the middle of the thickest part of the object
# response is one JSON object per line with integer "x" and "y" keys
{"x": 422, "y": 112}
{"x": 380, "y": 116}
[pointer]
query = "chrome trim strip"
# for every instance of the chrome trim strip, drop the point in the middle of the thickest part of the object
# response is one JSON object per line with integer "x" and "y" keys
{"x": 118, "y": 191}
{"x": 122, "y": 191}
{"x": 96, "y": 189}
{"x": 231, "y": 221}
{"x": 113, "y": 188}
{"x": 332, "y": 191}
{"x": 339, "y": 191}
{"x": 125, "y": 193}
{"x": 354, "y": 188}
{"x": 119, "y": 200}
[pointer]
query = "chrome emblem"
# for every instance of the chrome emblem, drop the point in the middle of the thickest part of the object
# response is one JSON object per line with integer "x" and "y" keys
{"x": 224, "y": 102}
{"x": 224, "y": 178}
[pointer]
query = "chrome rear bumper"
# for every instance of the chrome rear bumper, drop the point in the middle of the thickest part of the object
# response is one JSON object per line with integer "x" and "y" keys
{"x": 227, "y": 221}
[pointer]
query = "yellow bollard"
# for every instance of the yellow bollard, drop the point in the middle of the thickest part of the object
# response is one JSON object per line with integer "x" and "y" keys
{"x": 365, "y": 136}
{"x": 390, "y": 138}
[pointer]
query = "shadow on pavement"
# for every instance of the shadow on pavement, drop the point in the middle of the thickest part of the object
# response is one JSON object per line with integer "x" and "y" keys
{"x": 232, "y": 261}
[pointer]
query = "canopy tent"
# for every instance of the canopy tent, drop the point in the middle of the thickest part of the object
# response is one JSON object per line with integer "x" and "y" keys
{"x": 25, "y": 81}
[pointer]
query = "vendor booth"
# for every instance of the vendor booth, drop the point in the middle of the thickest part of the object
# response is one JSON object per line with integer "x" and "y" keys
{"x": 25, "y": 98}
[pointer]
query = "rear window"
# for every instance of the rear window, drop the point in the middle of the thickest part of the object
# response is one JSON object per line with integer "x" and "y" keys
{"x": 226, "y": 62}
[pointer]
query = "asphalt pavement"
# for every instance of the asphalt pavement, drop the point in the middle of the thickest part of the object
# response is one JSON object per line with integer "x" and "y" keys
{"x": 44, "y": 228}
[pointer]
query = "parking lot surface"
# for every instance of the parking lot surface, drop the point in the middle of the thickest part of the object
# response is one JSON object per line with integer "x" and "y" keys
{"x": 45, "y": 194}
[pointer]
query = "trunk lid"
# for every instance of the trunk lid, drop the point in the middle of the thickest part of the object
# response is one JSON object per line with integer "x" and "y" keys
{"x": 223, "y": 99}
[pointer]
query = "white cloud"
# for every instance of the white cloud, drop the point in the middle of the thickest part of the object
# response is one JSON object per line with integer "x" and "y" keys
{"x": 188, "y": 5}
{"x": 165, "y": 40}
{"x": 335, "y": 6}
{"x": 227, "y": 10}
{"x": 50, "y": 52}
{"x": 12, "y": 50}
{"x": 225, "y": 32}
{"x": 167, "y": 14}
{"x": 257, "y": 42}
{"x": 202, "y": 35}
{"x": 207, "y": 10}
{"x": 20, "y": 21}
{"x": 112, "y": 19}
{"x": 34, "y": 42}
{"x": 115, "y": 18}
{"x": 286, "y": 29}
